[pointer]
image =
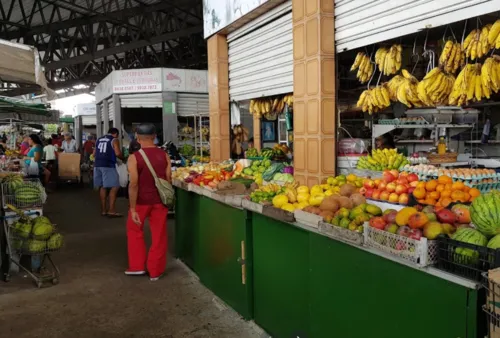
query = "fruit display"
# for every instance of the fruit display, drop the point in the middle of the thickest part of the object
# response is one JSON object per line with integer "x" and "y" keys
{"x": 394, "y": 187}
{"x": 187, "y": 130}
{"x": 374, "y": 100}
{"x": 28, "y": 194}
{"x": 451, "y": 57}
{"x": 485, "y": 213}
{"x": 364, "y": 66}
{"x": 352, "y": 219}
{"x": 262, "y": 170}
{"x": 35, "y": 235}
{"x": 490, "y": 75}
{"x": 266, "y": 106}
{"x": 389, "y": 59}
{"x": 441, "y": 192}
{"x": 187, "y": 150}
{"x": 252, "y": 152}
{"x": 435, "y": 87}
{"x": 11, "y": 182}
{"x": 267, "y": 153}
{"x": 382, "y": 159}
{"x": 468, "y": 86}
{"x": 477, "y": 44}
{"x": 266, "y": 193}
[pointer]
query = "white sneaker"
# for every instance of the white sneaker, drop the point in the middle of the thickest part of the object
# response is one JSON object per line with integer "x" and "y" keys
{"x": 135, "y": 273}
{"x": 154, "y": 279}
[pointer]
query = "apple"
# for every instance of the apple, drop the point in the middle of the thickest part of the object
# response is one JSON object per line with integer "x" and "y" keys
{"x": 391, "y": 187}
{"x": 393, "y": 198}
{"x": 403, "y": 174}
{"x": 367, "y": 183}
{"x": 403, "y": 199}
{"x": 377, "y": 223}
{"x": 382, "y": 185}
{"x": 390, "y": 217}
{"x": 402, "y": 181}
{"x": 404, "y": 231}
{"x": 376, "y": 194}
{"x": 388, "y": 176}
{"x": 395, "y": 173}
{"x": 377, "y": 182}
{"x": 416, "y": 234}
{"x": 414, "y": 184}
{"x": 384, "y": 195}
{"x": 412, "y": 178}
{"x": 369, "y": 192}
{"x": 401, "y": 189}
{"x": 446, "y": 216}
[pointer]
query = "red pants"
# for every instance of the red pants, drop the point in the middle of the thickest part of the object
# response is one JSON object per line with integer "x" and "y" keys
{"x": 157, "y": 256}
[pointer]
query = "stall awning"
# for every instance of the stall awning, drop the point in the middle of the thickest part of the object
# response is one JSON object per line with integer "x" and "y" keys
{"x": 28, "y": 112}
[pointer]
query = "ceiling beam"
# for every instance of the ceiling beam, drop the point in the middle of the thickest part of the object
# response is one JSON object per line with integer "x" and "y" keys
{"x": 123, "y": 48}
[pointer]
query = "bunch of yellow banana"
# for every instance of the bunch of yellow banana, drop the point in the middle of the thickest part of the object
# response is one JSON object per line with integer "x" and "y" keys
{"x": 451, "y": 57}
{"x": 374, "y": 100}
{"x": 288, "y": 99}
{"x": 364, "y": 66}
{"x": 392, "y": 87}
{"x": 407, "y": 92}
{"x": 271, "y": 187}
{"x": 435, "y": 87}
{"x": 187, "y": 130}
{"x": 266, "y": 106}
{"x": 490, "y": 75}
{"x": 494, "y": 35}
{"x": 468, "y": 86}
{"x": 389, "y": 59}
{"x": 477, "y": 44}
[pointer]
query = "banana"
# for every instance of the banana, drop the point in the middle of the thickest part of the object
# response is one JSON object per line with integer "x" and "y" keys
{"x": 469, "y": 39}
{"x": 374, "y": 100}
{"x": 494, "y": 33}
{"x": 357, "y": 61}
{"x": 478, "y": 90}
{"x": 445, "y": 54}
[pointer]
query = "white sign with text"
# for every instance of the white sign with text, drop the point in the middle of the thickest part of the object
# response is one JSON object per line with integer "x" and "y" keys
{"x": 137, "y": 80}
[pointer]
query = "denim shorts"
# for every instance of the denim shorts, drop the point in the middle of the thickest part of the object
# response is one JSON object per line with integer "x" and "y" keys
{"x": 106, "y": 177}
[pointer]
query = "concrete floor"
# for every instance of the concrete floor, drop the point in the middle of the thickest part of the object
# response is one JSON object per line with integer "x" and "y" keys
{"x": 95, "y": 299}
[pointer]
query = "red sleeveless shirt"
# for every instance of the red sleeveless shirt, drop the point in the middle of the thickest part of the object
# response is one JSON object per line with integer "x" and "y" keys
{"x": 148, "y": 194}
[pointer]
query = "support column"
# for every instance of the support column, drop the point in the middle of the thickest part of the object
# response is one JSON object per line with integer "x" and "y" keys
{"x": 314, "y": 120}
{"x": 98, "y": 120}
{"x": 170, "y": 122}
{"x": 218, "y": 87}
{"x": 105, "y": 116}
{"x": 257, "y": 132}
{"x": 117, "y": 121}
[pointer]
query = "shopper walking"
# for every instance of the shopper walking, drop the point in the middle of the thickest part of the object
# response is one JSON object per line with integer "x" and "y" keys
{"x": 145, "y": 202}
{"x": 106, "y": 152}
{"x": 88, "y": 148}
{"x": 69, "y": 144}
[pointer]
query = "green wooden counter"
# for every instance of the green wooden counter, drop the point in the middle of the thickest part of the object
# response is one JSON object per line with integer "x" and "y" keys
{"x": 300, "y": 283}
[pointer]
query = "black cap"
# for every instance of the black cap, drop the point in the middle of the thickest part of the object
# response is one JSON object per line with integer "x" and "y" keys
{"x": 146, "y": 129}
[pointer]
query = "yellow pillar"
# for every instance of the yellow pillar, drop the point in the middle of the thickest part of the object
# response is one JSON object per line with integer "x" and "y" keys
{"x": 218, "y": 97}
{"x": 314, "y": 122}
{"x": 256, "y": 132}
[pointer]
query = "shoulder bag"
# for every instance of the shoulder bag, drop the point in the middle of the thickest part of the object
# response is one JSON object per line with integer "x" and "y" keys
{"x": 165, "y": 189}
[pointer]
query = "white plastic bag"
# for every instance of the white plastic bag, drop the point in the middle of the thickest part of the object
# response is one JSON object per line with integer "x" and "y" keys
{"x": 33, "y": 169}
{"x": 122, "y": 170}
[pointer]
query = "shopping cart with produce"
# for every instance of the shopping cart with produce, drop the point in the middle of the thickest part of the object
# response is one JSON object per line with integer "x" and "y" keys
{"x": 31, "y": 239}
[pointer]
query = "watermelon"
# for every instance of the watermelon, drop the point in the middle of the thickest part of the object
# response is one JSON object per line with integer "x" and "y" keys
{"x": 494, "y": 243}
{"x": 471, "y": 236}
{"x": 485, "y": 213}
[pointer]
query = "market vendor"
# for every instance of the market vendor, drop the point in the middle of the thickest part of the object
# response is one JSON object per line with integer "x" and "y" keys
{"x": 69, "y": 144}
{"x": 385, "y": 141}
{"x": 25, "y": 145}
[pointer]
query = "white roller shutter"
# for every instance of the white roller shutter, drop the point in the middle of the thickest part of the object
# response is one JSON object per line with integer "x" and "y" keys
{"x": 101, "y": 107}
{"x": 261, "y": 56}
{"x": 189, "y": 104}
{"x": 144, "y": 100}
{"x": 89, "y": 120}
{"x": 111, "y": 110}
{"x": 361, "y": 23}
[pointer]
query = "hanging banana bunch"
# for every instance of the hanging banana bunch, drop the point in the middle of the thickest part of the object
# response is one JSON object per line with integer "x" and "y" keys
{"x": 374, "y": 100}
{"x": 451, "y": 57}
{"x": 468, "y": 86}
{"x": 477, "y": 44}
{"x": 389, "y": 59}
{"x": 288, "y": 99}
{"x": 494, "y": 35}
{"x": 490, "y": 76}
{"x": 187, "y": 130}
{"x": 435, "y": 87}
{"x": 241, "y": 132}
{"x": 270, "y": 106}
{"x": 392, "y": 87}
{"x": 407, "y": 92}
{"x": 364, "y": 66}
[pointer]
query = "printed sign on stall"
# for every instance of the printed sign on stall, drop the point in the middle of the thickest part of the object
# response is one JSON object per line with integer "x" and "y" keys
{"x": 174, "y": 80}
{"x": 196, "y": 81}
{"x": 137, "y": 80}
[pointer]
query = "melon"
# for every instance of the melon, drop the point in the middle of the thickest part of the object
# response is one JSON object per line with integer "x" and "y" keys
{"x": 494, "y": 243}
{"x": 471, "y": 236}
{"x": 485, "y": 213}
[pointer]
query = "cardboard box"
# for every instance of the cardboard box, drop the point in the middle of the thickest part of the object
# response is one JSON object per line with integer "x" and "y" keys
{"x": 492, "y": 306}
{"x": 69, "y": 166}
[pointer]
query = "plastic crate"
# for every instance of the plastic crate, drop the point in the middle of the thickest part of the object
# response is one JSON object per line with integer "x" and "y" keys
{"x": 464, "y": 259}
{"x": 421, "y": 252}
{"x": 341, "y": 234}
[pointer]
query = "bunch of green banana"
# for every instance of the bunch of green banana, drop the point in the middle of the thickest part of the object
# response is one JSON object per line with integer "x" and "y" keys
{"x": 468, "y": 86}
{"x": 490, "y": 75}
{"x": 494, "y": 35}
{"x": 364, "y": 66}
{"x": 477, "y": 44}
{"x": 383, "y": 159}
{"x": 435, "y": 87}
{"x": 392, "y": 87}
{"x": 407, "y": 92}
{"x": 451, "y": 57}
{"x": 374, "y": 100}
{"x": 389, "y": 59}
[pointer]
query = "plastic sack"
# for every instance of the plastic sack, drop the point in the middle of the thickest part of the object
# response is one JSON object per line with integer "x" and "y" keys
{"x": 33, "y": 169}
{"x": 121, "y": 168}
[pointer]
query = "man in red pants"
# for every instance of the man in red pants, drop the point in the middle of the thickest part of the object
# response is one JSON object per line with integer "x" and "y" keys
{"x": 145, "y": 203}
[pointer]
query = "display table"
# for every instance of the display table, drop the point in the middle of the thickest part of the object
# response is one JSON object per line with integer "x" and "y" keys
{"x": 298, "y": 283}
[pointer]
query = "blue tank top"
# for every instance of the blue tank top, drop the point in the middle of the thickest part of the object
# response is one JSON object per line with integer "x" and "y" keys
{"x": 104, "y": 153}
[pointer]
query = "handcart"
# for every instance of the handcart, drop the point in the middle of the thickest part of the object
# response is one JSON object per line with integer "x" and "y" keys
{"x": 69, "y": 168}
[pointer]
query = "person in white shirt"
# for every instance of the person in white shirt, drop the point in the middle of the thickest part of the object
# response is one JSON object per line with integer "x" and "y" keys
{"x": 49, "y": 152}
{"x": 69, "y": 144}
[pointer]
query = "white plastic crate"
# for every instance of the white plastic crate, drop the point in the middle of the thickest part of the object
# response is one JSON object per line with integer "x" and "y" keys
{"x": 341, "y": 234}
{"x": 420, "y": 253}
{"x": 252, "y": 206}
{"x": 307, "y": 218}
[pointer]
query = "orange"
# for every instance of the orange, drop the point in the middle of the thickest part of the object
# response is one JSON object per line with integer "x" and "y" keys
{"x": 445, "y": 179}
{"x": 434, "y": 195}
{"x": 466, "y": 197}
{"x": 440, "y": 188}
{"x": 420, "y": 185}
{"x": 458, "y": 186}
{"x": 473, "y": 192}
{"x": 446, "y": 193}
{"x": 421, "y": 201}
{"x": 430, "y": 201}
{"x": 466, "y": 189}
{"x": 419, "y": 193}
{"x": 431, "y": 185}
{"x": 445, "y": 201}
{"x": 448, "y": 186}
{"x": 458, "y": 195}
